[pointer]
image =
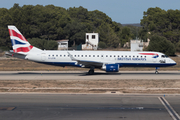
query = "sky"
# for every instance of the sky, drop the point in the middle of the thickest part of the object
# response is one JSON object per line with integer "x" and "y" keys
{"x": 121, "y": 11}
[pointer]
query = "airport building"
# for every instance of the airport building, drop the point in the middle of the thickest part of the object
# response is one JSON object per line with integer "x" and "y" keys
{"x": 62, "y": 44}
{"x": 91, "y": 41}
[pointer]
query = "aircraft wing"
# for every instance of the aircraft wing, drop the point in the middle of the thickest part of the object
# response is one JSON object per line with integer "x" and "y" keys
{"x": 89, "y": 63}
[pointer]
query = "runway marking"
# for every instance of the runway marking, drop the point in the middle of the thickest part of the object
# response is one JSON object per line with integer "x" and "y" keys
{"x": 111, "y": 108}
{"x": 170, "y": 110}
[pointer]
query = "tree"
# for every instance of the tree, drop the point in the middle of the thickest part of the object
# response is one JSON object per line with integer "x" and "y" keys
{"x": 161, "y": 22}
{"x": 178, "y": 47}
{"x": 43, "y": 44}
{"x": 125, "y": 36}
{"x": 102, "y": 45}
{"x": 161, "y": 44}
{"x": 79, "y": 14}
{"x": 56, "y": 23}
{"x": 107, "y": 35}
{"x": 75, "y": 32}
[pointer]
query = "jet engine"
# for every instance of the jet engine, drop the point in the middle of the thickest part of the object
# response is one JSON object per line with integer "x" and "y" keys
{"x": 112, "y": 68}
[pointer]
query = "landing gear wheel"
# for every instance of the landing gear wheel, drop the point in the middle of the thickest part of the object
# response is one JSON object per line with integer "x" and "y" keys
{"x": 90, "y": 72}
{"x": 156, "y": 72}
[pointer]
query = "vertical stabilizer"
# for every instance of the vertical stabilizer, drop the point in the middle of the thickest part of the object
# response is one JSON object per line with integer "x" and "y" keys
{"x": 19, "y": 42}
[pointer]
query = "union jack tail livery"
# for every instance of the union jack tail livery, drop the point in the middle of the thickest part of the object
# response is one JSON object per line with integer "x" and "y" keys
{"x": 19, "y": 42}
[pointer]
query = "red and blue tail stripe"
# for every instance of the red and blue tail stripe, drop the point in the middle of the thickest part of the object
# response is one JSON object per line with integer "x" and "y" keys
{"x": 19, "y": 43}
{"x": 23, "y": 49}
{"x": 15, "y": 42}
{"x": 15, "y": 34}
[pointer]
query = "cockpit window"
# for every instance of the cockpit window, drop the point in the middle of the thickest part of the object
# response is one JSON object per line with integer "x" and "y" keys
{"x": 164, "y": 56}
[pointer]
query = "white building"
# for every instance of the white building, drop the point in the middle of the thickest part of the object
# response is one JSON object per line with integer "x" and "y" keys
{"x": 136, "y": 45}
{"x": 91, "y": 41}
{"x": 62, "y": 44}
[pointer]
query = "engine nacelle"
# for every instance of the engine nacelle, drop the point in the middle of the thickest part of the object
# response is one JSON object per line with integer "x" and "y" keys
{"x": 112, "y": 68}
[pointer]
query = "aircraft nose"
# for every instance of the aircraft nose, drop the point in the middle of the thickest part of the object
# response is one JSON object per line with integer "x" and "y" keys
{"x": 172, "y": 62}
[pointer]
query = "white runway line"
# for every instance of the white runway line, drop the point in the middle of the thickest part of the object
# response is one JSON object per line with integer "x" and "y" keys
{"x": 170, "y": 110}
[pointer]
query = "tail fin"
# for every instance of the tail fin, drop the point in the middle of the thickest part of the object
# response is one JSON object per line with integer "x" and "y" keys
{"x": 19, "y": 42}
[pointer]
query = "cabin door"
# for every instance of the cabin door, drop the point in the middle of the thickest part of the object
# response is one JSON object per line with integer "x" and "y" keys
{"x": 43, "y": 56}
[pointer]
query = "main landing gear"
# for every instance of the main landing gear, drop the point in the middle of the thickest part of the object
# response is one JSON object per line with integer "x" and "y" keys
{"x": 156, "y": 72}
{"x": 91, "y": 71}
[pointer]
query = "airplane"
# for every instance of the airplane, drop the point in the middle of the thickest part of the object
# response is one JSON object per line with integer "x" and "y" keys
{"x": 109, "y": 61}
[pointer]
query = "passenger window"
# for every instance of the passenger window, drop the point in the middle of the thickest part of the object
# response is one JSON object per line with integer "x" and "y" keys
{"x": 56, "y": 55}
{"x": 68, "y": 55}
{"x": 85, "y": 55}
{"x": 122, "y": 56}
{"x": 129, "y": 56}
{"x": 101, "y": 55}
{"x": 118, "y": 55}
{"x": 114, "y": 55}
{"x": 52, "y": 55}
{"x": 93, "y": 55}
{"x": 81, "y": 55}
{"x": 49, "y": 55}
{"x": 137, "y": 56}
{"x": 145, "y": 56}
{"x": 133, "y": 56}
{"x": 97, "y": 55}
{"x": 64, "y": 55}
{"x": 60, "y": 55}
{"x": 110, "y": 55}
{"x": 74, "y": 55}
{"x": 89, "y": 55}
{"x": 106, "y": 55}
{"x": 78, "y": 55}
{"x": 126, "y": 56}
{"x": 141, "y": 56}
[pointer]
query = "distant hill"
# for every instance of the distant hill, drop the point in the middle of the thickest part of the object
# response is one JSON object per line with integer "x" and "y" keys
{"x": 133, "y": 24}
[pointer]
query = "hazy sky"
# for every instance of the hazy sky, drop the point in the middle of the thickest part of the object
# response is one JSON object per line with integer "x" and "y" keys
{"x": 122, "y": 11}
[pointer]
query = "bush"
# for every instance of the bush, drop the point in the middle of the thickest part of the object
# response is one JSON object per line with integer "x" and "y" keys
{"x": 102, "y": 45}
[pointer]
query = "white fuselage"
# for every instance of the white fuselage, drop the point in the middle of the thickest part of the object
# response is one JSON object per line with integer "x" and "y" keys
{"x": 123, "y": 58}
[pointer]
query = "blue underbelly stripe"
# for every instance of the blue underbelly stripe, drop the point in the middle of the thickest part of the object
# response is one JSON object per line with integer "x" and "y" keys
{"x": 120, "y": 64}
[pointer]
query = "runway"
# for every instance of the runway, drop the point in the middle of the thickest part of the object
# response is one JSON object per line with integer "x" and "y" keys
{"x": 89, "y": 107}
{"x": 81, "y": 75}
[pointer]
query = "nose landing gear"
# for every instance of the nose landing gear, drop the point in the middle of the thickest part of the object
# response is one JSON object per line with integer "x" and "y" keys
{"x": 156, "y": 72}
